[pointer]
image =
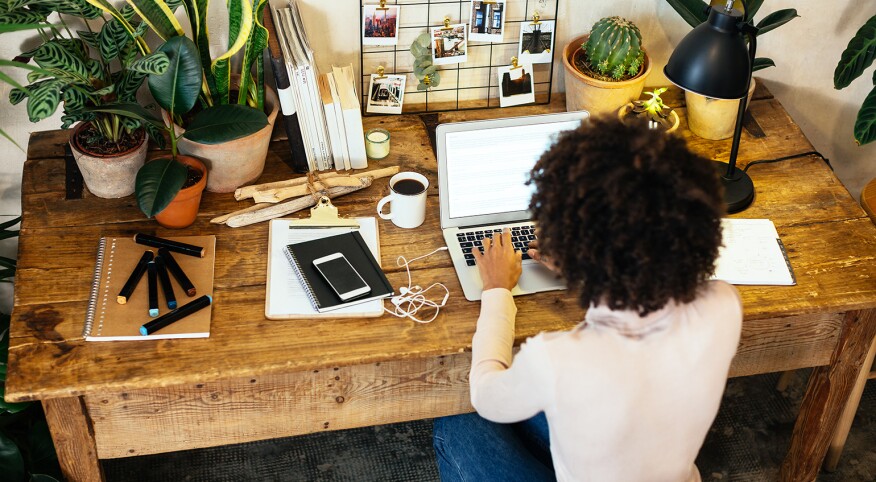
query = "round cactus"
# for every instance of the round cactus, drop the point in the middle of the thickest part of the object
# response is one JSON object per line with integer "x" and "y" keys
{"x": 614, "y": 48}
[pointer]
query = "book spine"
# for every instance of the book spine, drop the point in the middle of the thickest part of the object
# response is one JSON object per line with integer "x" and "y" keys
{"x": 306, "y": 284}
{"x": 95, "y": 289}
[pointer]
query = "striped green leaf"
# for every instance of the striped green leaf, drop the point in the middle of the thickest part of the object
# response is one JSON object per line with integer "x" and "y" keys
{"x": 74, "y": 101}
{"x": 240, "y": 13}
{"x": 17, "y": 95}
{"x": 44, "y": 100}
{"x": 92, "y": 39}
{"x": 22, "y": 17}
{"x": 255, "y": 46}
{"x": 865, "y": 123}
{"x": 54, "y": 55}
{"x": 95, "y": 69}
{"x": 156, "y": 63}
{"x": 127, "y": 12}
{"x": 159, "y": 17}
{"x": 105, "y": 91}
{"x": 113, "y": 39}
{"x": 126, "y": 88}
{"x": 857, "y": 56}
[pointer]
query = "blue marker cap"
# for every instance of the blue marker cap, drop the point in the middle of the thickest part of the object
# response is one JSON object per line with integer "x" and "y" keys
{"x": 153, "y": 312}
{"x": 171, "y": 305}
{"x": 211, "y": 299}
{"x": 143, "y": 331}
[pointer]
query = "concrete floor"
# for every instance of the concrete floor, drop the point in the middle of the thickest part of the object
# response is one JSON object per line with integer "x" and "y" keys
{"x": 746, "y": 443}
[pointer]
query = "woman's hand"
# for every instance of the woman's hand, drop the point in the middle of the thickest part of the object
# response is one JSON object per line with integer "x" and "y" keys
{"x": 499, "y": 265}
{"x": 535, "y": 254}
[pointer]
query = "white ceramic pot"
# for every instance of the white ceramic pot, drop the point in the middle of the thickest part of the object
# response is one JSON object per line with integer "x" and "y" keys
{"x": 713, "y": 118}
{"x": 109, "y": 176}
{"x": 598, "y": 96}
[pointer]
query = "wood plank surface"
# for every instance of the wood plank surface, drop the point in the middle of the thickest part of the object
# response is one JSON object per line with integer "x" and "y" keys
{"x": 73, "y": 436}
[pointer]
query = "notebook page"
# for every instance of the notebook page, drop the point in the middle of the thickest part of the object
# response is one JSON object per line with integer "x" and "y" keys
{"x": 286, "y": 297}
{"x": 752, "y": 254}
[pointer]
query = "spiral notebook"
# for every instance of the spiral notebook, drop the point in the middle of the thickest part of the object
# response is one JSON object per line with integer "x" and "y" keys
{"x": 287, "y": 296}
{"x": 107, "y": 320}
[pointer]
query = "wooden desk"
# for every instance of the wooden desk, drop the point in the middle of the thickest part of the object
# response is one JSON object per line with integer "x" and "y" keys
{"x": 257, "y": 379}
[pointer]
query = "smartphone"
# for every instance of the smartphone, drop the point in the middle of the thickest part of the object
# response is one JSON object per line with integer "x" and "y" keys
{"x": 341, "y": 276}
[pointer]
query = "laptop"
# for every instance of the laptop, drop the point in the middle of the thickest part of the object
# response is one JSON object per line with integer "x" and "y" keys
{"x": 483, "y": 167}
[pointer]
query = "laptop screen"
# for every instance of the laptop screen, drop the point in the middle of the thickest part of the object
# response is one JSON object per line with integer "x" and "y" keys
{"x": 487, "y": 169}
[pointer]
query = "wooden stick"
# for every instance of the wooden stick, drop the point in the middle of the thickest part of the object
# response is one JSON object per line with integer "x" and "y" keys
{"x": 247, "y": 192}
{"x": 282, "y": 209}
{"x": 281, "y": 194}
{"x": 224, "y": 218}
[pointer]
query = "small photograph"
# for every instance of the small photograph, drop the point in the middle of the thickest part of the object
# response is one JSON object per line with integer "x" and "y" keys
{"x": 537, "y": 42}
{"x": 386, "y": 94}
{"x": 487, "y": 21}
{"x": 449, "y": 44}
{"x": 380, "y": 25}
{"x": 516, "y": 86}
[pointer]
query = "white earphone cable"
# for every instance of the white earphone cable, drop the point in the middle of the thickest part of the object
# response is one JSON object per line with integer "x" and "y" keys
{"x": 412, "y": 299}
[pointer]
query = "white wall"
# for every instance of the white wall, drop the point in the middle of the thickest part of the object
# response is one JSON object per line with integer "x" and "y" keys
{"x": 805, "y": 50}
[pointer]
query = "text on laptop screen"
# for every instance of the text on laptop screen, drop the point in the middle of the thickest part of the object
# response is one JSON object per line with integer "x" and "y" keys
{"x": 487, "y": 169}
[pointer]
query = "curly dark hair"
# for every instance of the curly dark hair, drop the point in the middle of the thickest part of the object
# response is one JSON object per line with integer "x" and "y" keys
{"x": 629, "y": 215}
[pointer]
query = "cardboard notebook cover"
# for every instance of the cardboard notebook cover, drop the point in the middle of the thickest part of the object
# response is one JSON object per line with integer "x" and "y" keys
{"x": 107, "y": 320}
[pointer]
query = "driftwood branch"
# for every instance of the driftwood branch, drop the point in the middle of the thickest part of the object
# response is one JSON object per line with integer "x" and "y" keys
{"x": 280, "y": 191}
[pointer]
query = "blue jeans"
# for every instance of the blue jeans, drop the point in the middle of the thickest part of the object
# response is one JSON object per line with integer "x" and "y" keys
{"x": 470, "y": 448}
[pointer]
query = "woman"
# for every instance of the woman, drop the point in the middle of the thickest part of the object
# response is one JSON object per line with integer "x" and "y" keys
{"x": 631, "y": 219}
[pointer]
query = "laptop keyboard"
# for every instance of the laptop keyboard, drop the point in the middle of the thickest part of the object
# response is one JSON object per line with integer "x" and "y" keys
{"x": 521, "y": 236}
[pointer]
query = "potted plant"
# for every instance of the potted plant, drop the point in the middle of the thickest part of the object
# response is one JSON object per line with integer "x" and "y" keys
{"x": 716, "y": 118}
{"x": 169, "y": 188}
{"x": 98, "y": 68}
{"x": 602, "y": 73}
{"x": 654, "y": 111}
{"x": 231, "y": 163}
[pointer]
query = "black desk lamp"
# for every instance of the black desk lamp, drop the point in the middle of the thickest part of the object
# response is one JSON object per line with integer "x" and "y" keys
{"x": 713, "y": 60}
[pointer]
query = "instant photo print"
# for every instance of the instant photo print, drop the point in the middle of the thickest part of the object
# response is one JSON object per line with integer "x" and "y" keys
{"x": 380, "y": 25}
{"x": 487, "y": 21}
{"x": 449, "y": 44}
{"x": 386, "y": 94}
{"x": 536, "y": 42}
{"x": 516, "y": 86}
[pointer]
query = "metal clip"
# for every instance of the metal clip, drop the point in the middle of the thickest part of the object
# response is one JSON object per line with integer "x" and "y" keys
{"x": 514, "y": 64}
{"x": 446, "y": 24}
{"x": 380, "y": 72}
{"x": 535, "y": 19}
{"x": 382, "y": 6}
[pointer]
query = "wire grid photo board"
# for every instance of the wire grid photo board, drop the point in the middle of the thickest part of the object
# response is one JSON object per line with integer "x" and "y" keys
{"x": 473, "y": 84}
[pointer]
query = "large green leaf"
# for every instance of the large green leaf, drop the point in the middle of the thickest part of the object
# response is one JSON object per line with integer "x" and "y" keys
{"x": 223, "y": 123}
{"x": 11, "y": 461}
{"x": 18, "y": 28}
{"x": 692, "y": 11}
{"x": 857, "y": 56}
{"x": 55, "y": 55}
{"x": 176, "y": 90}
{"x": 258, "y": 41}
{"x": 44, "y": 100}
{"x": 159, "y": 17}
{"x": 751, "y": 8}
{"x": 761, "y": 63}
{"x": 776, "y": 19}
{"x": 155, "y": 63}
{"x": 865, "y": 123}
{"x": 157, "y": 184}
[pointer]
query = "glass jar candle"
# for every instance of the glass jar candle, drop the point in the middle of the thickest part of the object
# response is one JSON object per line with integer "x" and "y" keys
{"x": 377, "y": 143}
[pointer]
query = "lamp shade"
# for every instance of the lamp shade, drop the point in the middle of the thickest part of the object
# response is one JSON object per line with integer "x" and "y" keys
{"x": 713, "y": 59}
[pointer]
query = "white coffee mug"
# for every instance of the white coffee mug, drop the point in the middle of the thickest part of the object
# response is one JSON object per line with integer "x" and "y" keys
{"x": 408, "y": 198}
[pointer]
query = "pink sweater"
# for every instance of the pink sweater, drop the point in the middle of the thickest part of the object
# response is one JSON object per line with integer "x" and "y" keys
{"x": 627, "y": 398}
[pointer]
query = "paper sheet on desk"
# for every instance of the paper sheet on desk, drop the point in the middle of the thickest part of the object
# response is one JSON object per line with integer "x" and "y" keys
{"x": 752, "y": 254}
{"x": 286, "y": 297}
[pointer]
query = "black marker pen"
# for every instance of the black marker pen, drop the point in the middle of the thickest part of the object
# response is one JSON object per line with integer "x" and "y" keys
{"x": 152, "y": 276}
{"x": 164, "y": 281}
{"x": 175, "y": 246}
{"x": 177, "y": 272}
{"x": 128, "y": 289}
{"x": 175, "y": 315}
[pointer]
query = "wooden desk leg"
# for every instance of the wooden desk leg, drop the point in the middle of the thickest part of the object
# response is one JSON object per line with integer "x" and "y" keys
{"x": 73, "y": 435}
{"x": 826, "y": 395}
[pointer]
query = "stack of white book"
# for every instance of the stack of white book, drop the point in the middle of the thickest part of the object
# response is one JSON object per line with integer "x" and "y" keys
{"x": 325, "y": 106}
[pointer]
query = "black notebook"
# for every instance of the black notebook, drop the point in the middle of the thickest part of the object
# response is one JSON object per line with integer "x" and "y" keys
{"x": 353, "y": 247}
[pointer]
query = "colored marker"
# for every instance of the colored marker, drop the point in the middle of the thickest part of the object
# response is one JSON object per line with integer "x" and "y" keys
{"x": 177, "y": 272}
{"x": 128, "y": 289}
{"x": 152, "y": 276}
{"x": 175, "y": 246}
{"x": 164, "y": 281}
{"x": 175, "y": 315}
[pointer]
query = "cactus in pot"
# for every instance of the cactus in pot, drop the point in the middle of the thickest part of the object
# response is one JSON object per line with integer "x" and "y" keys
{"x": 614, "y": 49}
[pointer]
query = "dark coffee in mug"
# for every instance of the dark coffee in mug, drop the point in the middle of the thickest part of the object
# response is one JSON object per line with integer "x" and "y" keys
{"x": 408, "y": 187}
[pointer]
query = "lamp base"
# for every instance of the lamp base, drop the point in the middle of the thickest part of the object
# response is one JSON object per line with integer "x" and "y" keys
{"x": 738, "y": 190}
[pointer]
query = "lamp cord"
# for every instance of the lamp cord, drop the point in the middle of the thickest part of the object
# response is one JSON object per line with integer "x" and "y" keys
{"x": 786, "y": 158}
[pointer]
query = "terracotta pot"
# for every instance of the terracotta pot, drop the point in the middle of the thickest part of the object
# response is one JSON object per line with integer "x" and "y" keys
{"x": 713, "y": 118}
{"x": 109, "y": 176}
{"x": 598, "y": 96}
{"x": 182, "y": 211}
{"x": 239, "y": 162}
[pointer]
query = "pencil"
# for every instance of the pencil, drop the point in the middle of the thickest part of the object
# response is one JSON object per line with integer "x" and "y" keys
{"x": 152, "y": 276}
{"x": 177, "y": 272}
{"x": 129, "y": 286}
{"x": 175, "y": 246}
{"x": 164, "y": 281}
{"x": 175, "y": 315}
